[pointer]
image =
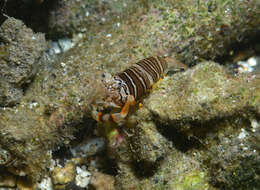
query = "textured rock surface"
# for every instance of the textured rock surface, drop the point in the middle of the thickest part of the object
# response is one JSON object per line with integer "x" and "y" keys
{"x": 7, "y": 180}
{"x": 102, "y": 181}
{"x": 20, "y": 51}
{"x": 63, "y": 175}
{"x": 177, "y": 170}
{"x": 203, "y": 93}
{"x": 60, "y": 18}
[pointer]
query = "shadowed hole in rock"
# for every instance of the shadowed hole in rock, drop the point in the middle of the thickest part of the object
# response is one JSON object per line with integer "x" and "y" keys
{"x": 193, "y": 137}
{"x": 144, "y": 169}
{"x": 180, "y": 140}
{"x": 73, "y": 186}
{"x": 253, "y": 39}
{"x": 63, "y": 154}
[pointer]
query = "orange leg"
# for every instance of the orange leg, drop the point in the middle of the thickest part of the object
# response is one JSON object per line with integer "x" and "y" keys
{"x": 116, "y": 117}
{"x": 119, "y": 117}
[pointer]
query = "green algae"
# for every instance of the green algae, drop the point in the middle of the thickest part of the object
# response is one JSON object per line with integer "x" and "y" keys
{"x": 191, "y": 181}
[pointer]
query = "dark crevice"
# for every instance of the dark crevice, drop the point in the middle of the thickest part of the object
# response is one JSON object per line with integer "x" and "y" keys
{"x": 85, "y": 131}
{"x": 179, "y": 139}
{"x": 250, "y": 42}
{"x": 193, "y": 137}
{"x": 30, "y": 12}
{"x": 144, "y": 169}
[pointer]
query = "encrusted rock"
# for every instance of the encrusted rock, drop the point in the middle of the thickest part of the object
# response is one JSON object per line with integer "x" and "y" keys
{"x": 175, "y": 170}
{"x": 45, "y": 184}
{"x": 64, "y": 175}
{"x": 5, "y": 156}
{"x": 25, "y": 184}
{"x": 88, "y": 147}
{"x": 7, "y": 180}
{"x": 102, "y": 181}
{"x": 147, "y": 144}
{"x": 20, "y": 51}
{"x": 83, "y": 177}
{"x": 203, "y": 93}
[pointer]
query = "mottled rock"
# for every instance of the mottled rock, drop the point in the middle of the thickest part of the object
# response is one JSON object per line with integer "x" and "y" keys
{"x": 9, "y": 94}
{"x": 7, "y": 180}
{"x": 45, "y": 184}
{"x": 20, "y": 52}
{"x": 232, "y": 159}
{"x": 61, "y": 18}
{"x": 102, "y": 181}
{"x": 5, "y": 156}
{"x": 147, "y": 144}
{"x": 203, "y": 93}
{"x": 25, "y": 184}
{"x": 64, "y": 175}
{"x": 83, "y": 177}
{"x": 175, "y": 170}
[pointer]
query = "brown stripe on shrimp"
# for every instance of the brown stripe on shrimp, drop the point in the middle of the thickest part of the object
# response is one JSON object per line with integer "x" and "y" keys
{"x": 150, "y": 71}
{"x": 125, "y": 88}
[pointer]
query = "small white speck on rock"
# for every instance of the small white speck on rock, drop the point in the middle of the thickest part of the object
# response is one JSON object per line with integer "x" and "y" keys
{"x": 242, "y": 134}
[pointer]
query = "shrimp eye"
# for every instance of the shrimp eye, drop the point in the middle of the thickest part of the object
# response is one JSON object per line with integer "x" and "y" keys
{"x": 119, "y": 84}
{"x": 103, "y": 75}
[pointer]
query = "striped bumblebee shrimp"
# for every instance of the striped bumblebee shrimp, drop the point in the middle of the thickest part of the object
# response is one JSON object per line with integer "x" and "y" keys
{"x": 124, "y": 89}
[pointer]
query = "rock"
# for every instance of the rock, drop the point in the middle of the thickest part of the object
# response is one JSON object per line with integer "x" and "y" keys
{"x": 5, "y": 156}
{"x": 232, "y": 158}
{"x": 203, "y": 93}
{"x": 9, "y": 94}
{"x": 82, "y": 178}
{"x": 63, "y": 175}
{"x": 25, "y": 184}
{"x": 7, "y": 180}
{"x": 102, "y": 181}
{"x": 20, "y": 52}
{"x": 45, "y": 184}
{"x": 63, "y": 18}
{"x": 88, "y": 147}
{"x": 176, "y": 170}
{"x": 147, "y": 144}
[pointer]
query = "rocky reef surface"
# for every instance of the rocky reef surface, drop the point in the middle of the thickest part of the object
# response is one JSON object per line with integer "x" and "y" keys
{"x": 198, "y": 129}
{"x": 21, "y": 50}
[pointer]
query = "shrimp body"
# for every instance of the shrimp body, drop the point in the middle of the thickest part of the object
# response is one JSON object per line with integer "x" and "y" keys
{"x": 128, "y": 87}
